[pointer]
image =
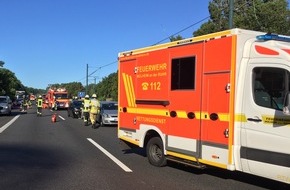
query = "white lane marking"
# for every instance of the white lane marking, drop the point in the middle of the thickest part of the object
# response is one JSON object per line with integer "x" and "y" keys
{"x": 61, "y": 117}
{"x": 8, "y": 124}
{"x": 118, "y": 162}
{"x": 58, "y": 115}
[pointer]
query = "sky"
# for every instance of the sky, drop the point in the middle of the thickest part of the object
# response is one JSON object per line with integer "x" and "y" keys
{"x": 52, "y": 41}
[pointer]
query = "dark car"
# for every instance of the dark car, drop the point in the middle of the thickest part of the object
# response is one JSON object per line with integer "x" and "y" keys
{"x": 74, "y": 109}
{"x": 5, "y": 105}
{"x": 17, "y": 103}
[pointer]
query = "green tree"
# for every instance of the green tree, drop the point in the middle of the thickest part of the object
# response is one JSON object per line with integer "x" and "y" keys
{"x": 72, "y": 88}
{"x": 9, "y": 83}
{"x": 260, "y": 15}
{"x": 1, "y": 63}
{"x": 175, "y": 38}
{"x": 107, "y": 88}
{"x": 35, "y": 91}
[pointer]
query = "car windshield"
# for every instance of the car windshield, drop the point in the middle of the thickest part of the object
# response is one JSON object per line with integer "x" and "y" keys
{"x": 3, "y": 100}
{"x": 110, "y": 106}
{"x": 61, "y": 96}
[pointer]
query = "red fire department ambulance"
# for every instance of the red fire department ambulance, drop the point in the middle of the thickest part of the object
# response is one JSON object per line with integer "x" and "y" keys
{"x": 57, "y": 98}
{"x": 220, "y": 99}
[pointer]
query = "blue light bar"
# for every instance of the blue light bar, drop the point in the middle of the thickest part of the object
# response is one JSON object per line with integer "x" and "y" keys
{"x": 273, "y": 37}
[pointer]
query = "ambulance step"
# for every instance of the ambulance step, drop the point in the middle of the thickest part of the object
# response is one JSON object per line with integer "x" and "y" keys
{"x": 186, "y": 162}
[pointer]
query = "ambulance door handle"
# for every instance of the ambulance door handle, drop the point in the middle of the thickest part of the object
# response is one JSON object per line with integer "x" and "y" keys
{"x": 254, "y": 119}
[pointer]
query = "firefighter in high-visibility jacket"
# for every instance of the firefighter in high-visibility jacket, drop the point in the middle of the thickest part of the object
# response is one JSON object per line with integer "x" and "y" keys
{"x": 24, "y": 104}
{"x": 86, "y": 109}
{"x": 94, "y": 111}
{"x": 39, "y": 106}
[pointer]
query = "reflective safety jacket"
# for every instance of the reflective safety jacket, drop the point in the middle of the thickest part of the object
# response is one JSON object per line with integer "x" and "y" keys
{"x": 25, "y": 102}
{"x": 39, "y": 102}
{"x": 86, "y": 105}
{"x": 94, "y": 106}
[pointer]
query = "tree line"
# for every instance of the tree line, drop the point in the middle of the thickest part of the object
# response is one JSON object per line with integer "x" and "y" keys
{"x": 271, "y": 16}
{"x": 106, "y": 89}
{"x": 9, "y": 84}
{"x": 260, "y": 15}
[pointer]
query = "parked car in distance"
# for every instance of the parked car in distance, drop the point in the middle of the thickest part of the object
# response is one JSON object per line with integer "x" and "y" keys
{"x": 74, "y": 109}
{"x": 109, "y": 113}
{"x": 5, "y": 105}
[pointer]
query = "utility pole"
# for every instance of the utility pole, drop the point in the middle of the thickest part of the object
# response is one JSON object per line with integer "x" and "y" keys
{"x": 231, "y": 14}
{"x": 87, "y": 76}
{"x": 95, "y": 81}
{"x": 1, "y": 65}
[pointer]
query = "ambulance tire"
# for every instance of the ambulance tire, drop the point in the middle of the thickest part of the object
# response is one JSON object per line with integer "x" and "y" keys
{"x": 155, "y": 152}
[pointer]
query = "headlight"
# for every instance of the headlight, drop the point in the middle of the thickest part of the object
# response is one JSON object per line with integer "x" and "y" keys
{"x": 105, "y": 115}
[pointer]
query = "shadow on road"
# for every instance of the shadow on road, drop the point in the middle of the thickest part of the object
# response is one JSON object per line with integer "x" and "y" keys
{"x": 231, "y": 175}
{"x": 24, "y": 165}
{"x": 219, "y": 173}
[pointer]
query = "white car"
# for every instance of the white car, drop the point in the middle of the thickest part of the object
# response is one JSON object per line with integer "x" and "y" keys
{"x": 109, "y": 113}
{"x": 5, "y": 105}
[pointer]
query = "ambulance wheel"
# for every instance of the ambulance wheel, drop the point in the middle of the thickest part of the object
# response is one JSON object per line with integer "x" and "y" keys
{"x": 155, "y": 152}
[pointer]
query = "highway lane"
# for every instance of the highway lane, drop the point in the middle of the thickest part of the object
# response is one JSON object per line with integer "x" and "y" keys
{"x": 38, "y": 154}
{"x": 6, "y": 118}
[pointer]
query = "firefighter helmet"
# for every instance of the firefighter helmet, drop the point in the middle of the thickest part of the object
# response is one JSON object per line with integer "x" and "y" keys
{"x": 94, "y": 96}
{"x": 87, "y": 96}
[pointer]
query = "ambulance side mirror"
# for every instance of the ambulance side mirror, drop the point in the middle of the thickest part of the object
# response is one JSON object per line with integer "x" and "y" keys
{"x": 286, "y": 106}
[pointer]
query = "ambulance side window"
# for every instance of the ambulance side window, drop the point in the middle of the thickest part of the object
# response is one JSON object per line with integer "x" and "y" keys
{"x": 183, "y": 73}
{"x": 270, "y": 86}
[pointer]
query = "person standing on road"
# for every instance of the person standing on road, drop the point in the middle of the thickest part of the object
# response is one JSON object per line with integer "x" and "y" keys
{"x": 28, "y": 103}
{"x": 24, "y": 104}
{"x": 86, "y": 109}
{"x": 39, "y": 106}
{"x": 94, "y": 111}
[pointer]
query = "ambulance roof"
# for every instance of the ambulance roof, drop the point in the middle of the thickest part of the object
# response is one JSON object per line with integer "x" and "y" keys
{"x": 206, "y": 37}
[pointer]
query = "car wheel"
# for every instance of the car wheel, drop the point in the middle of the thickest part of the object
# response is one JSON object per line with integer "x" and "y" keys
{"x": 155, "y": 152}
{"x": 102, "y": 123}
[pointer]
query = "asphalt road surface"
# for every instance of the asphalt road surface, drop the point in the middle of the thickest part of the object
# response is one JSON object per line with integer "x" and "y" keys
{"x": 36, "y": 153}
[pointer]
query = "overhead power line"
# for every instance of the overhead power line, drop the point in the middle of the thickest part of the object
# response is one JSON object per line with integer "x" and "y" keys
{"x": 168, "y": 37}
{"x": 102, "y": 67}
